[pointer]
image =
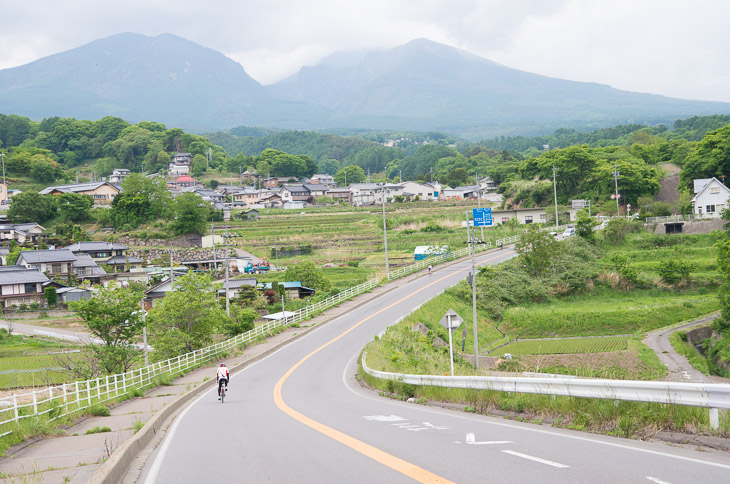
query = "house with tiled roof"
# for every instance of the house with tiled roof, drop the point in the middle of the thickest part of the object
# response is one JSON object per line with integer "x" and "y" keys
{"x": 21, "y": 233}
{"x": 101, "y": 192}
{"x": 21, "y": 285}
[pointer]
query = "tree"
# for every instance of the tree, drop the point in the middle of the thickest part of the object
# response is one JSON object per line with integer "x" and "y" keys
{"x": 328, "y": 166}
{"x": 709, "y": 158}
{"x": 309, "y": 275}
{"x": 113, "y": 316}
{"x": 584, "y": 226}
{"x": 74, "y": 206}
{"x": 350, "y": 174}
{"x": 241, "y": 320}
{"x": 43, "y": 168}
{"x": 186, "y": 318}
{"x": 31, "y": 207}
{"x": 537, "y": 249}
{"x": 141, "y": 200}
{"x": 191, "y": 214}
{"x": 51, "y": 297}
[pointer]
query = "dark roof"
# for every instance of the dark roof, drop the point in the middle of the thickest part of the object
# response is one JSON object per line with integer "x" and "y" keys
{"x": 78, "y": 187}
{"x": 21, "y": 276}
{"x": 237, "y": 283}
{"x": 48, "y": 255}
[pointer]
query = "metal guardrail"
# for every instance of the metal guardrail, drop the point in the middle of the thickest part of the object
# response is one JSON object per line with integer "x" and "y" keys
{"x": 68, "y": 398}
{"x": 713, "y": 396}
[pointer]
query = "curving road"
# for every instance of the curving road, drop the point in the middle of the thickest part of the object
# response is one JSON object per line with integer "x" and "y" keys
{"x": 299, "y": 416}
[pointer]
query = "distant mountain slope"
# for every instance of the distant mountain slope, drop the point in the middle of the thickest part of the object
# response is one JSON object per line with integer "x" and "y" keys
{"x": 454, "y": 90}
{"x": 420, "y": 86}
{"x": 133, "y": 76}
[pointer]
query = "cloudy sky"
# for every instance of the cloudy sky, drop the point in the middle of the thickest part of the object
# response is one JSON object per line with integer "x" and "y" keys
{"x": 670, "y": 47}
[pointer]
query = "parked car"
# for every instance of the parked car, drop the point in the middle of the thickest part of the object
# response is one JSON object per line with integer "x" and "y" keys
{"x": 569, "y": 232}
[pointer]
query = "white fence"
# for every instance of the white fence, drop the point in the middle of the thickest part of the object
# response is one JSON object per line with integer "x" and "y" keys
{"x": 713, "y": 396}
{"x": 678, "y": 218}
{"x": 68, "y": 398}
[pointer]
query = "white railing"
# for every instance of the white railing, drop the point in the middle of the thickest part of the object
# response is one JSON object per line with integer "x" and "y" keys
{"x": 58, "y": 401}
{"x": 678, "y": 218}
{"x": 713, "y": 396}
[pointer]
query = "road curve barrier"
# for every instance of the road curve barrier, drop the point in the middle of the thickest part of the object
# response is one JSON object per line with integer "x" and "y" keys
{"x": 713, "y": 396}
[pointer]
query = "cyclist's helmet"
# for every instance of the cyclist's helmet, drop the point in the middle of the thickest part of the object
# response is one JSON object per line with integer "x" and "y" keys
{"x": 223, "y": 364}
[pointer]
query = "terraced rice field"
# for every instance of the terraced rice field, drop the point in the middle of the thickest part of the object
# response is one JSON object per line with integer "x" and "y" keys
{"x": 562, "y": 346}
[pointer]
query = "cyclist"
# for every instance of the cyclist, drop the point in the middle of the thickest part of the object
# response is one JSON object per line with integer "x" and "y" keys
{"x": 222, "y": 376}
{"x": 429, "y": 269}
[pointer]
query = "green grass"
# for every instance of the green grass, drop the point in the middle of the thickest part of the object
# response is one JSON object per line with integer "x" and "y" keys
{"x": 97, "y": 430}
{"x": 679, "y": 342}
{"x": 28, "y": 361}
{"x": 606, "y": 313}
{"x": 563, "y": 346}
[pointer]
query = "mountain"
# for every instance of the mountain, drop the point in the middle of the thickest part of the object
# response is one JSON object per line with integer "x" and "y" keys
{"x": 135, "y": 77}
{"x": 442, "y": 88}
{"x": 419, "y": 86}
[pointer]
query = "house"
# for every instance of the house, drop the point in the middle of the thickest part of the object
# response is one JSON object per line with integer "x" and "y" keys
{"x": 243, "y": 197}
{"x": 487, "y": 184}
{"x": 270, "y": 200}
{"x": 21, "y": 233}
{"x": 84, "y": 268}
{"x": 123, "y": 263}
{"x": 420, "y": 190}
{"x": 227, "y": 190}
{"x": 322, "y": 179}
{"x": 299, "y": 193}
{"x": 155, "y": 293}
{"x": 372, "y": 193}
{"x": 54, "y": 262}
{"x": 711, "y": 198}
{"x": 316, "y": 189}
{"x": 235, "y": 285}
{"x": 102, "y": 192}
{"x": 271, "y": 182}
{"x": 523, "y": 215}
{"x": 437, "y": 192}
{"x": 293, "y": 289}
{"x": 469, "y": 191}
{"x": 340, "y": 194}
{"x": 99, "y": 251}
{"x": 118, "y": 174}
{"x": 180, "y": 164}
{"x": 249, "y": 174}
{"x": 183, "y": 181}
{"x": 21, "y": 285}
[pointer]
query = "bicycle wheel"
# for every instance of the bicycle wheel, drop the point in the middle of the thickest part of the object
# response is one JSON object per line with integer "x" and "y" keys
{"x": 223, "y": 394}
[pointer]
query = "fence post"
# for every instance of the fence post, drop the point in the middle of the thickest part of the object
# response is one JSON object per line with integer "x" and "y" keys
{"x": 88, "y": 391}
{"x": 15, "y": 406}
{"x": 35, "y": 404}
{"x": 714, "y": 419}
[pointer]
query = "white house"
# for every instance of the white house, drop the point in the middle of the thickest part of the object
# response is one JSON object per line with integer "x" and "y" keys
{"x": 422, "y": 191}
{"x": 711, "y": 198}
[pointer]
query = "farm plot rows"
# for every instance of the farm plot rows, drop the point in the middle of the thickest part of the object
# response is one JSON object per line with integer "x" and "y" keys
{"x": 558, "y": 346}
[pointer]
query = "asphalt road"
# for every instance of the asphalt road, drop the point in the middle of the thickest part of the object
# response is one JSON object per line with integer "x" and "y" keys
{"x": 299, "y": 416}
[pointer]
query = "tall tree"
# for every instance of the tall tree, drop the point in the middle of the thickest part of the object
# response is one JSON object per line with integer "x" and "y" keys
{"x": 191, "y": 214}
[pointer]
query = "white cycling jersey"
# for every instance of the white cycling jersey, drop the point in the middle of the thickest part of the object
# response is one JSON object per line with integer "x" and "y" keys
{"x": 222, "y": 373}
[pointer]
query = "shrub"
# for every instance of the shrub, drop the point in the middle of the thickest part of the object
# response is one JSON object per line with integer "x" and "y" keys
{"x": 99, "y": 410}
{"x": 97, "y": 430}
{"x": 673, "y": 271}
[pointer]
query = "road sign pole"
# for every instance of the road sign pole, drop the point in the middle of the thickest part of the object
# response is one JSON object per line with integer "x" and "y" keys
{"x": 473, "y": 295}
{"x": 451, "y": 345}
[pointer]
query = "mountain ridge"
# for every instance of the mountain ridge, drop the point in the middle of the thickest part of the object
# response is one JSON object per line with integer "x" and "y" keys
{"x": 421, "y": 85}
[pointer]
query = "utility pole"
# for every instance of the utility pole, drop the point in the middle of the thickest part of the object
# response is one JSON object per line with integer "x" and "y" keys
{"x": 400, "y": 176}
{"x": 479, "y": 200}
{"x": 2, "y": 155}
{"x": 385, "y": 237}
{"x": 368, "y": 175}
{"x": 431, "y": 169}
{"x": 615, "y": 180}
{"x": 240, "y": 175}
{"x": 228, "y": 309}
{"x": 555, "y": 193}
{"x": 210, "y": 156}
{"x": 470, "y": 238}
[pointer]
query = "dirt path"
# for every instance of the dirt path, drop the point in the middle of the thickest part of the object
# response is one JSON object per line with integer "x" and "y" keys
{"x": 678, "y": 366}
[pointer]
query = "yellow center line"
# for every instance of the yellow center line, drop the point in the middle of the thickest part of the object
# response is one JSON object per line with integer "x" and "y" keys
{"x": 404, "y": 467}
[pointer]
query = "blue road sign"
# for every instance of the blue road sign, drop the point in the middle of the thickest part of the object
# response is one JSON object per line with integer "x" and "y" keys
{"x": 482, "y": 216}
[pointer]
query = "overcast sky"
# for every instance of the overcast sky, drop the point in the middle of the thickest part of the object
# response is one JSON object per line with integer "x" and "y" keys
{"x": 670, "y": 47}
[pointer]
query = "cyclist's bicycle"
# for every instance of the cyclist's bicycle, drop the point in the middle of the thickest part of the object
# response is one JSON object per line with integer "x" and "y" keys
{"x": 223, "y": 393}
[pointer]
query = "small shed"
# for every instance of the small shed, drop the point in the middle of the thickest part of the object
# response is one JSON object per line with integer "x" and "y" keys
{"x": 71, "y": 294}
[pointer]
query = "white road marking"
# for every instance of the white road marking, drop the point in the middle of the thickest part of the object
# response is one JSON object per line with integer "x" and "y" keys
{"x": 658, "y": 481}
{"x": 536, "y": 459}
{"x": 471, "y": 440}
{"x": 384, "y": 418}
{"x": 435, "y": 427}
